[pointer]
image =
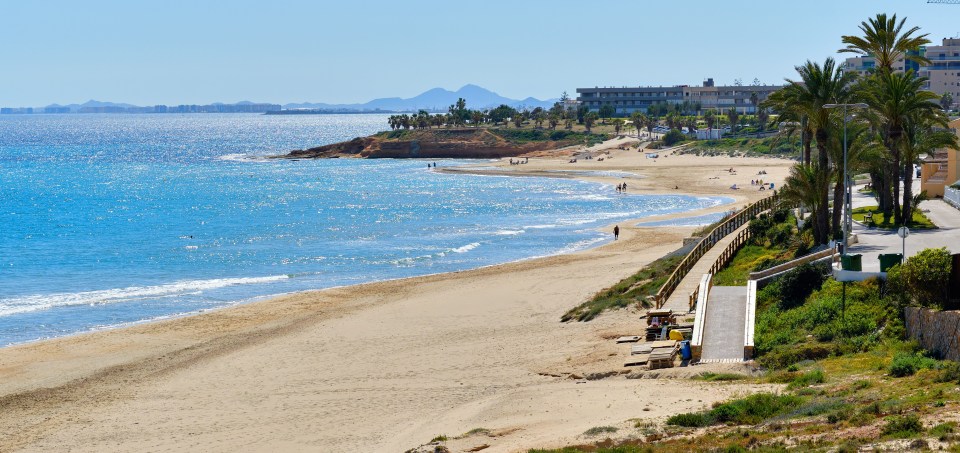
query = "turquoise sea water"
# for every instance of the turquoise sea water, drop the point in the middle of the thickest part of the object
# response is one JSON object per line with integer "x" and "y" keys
{"x": 107, "y": 220}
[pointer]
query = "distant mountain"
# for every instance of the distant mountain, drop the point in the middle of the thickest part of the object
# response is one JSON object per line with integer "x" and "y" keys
{"x": 436, "y": 99}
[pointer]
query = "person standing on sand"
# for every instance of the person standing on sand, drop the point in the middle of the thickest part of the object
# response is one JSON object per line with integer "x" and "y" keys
{"x": 616, "y": 232}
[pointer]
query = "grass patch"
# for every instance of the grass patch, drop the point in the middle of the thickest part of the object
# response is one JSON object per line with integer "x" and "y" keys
{"x": 749, "y": 259}
{"x": 769, "y": 146}
{"x": 907, "y": 364}
{"x": 807, "y": 379}
{"x": 440, "y": 438}
{"x": 719, "y": 377}
{"x": 598, "y": 430}
{"x": 746, "y": 411}
{"x": 631, "y": 290}
{"x": 919, "y": 221}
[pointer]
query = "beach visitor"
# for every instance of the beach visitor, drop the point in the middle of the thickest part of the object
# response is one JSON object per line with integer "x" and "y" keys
{"x": 616, "y": 232}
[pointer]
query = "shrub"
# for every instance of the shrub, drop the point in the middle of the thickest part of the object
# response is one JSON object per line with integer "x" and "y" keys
{"x": 673, "y": 137}
{"x": 906, "y": 364}
{"x": 905, "y": 426}
{"x": 949, "y": 372}
{"x": 807, "y": 379}
{"x": 598, "y": 430}
{"x": 799, "y": 283}
{"x": 926, "y": 275}
{"x": 755, "y": 408}
{"x": 691, "y": 420}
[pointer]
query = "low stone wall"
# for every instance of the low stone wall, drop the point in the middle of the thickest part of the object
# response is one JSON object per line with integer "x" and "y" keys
{"x": 936, "y": 331}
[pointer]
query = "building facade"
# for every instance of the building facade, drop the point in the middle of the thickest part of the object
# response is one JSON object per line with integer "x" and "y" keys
{"x": 942, "y": 74}
{"x": 626, "y": 100}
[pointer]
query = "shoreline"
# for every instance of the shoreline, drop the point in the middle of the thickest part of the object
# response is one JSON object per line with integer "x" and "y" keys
{"x": 396, "y": 346}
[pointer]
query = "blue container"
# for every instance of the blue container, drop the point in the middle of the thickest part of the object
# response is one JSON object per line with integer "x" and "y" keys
{"x": 685, "y": 350}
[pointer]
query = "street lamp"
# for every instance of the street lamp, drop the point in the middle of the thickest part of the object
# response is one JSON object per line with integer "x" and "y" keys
{"x": 846, "y": 181}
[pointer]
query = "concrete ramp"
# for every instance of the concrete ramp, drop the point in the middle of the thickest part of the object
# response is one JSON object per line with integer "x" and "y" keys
{"x": 724, "y": 324}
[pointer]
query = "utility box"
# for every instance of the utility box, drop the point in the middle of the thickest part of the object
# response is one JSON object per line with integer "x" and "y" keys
{"x": 851, "y": 262}
{"x": 888, "y": 260}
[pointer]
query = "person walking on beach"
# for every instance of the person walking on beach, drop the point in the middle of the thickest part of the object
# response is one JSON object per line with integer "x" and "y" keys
{"x": 616, "y": 232}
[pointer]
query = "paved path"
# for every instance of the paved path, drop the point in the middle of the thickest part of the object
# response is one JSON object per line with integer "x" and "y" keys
{"x": 679, "y": 301}
{"x": 723, "y": 327}
{"x": 872, "y": 241}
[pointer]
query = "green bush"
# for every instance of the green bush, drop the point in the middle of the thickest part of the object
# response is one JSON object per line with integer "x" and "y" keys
{"x": 807, "y": 379}
{"x": 691, "y": 420}
{"x": 924, "y": 277}
{"x": 755, "y": 408}
{"x": 907, "y": 364}
{"x": 905, "y": 426}
{"x": 673, "y": 137}
{"x": 799, "y": 283}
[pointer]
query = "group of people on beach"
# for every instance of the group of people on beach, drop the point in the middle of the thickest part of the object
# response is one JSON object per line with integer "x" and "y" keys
{"x": 622, "y": 188}
{"x": 526, "y": 160}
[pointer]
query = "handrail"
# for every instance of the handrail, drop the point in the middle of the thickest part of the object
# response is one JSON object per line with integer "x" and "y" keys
{"x": 749, "y": 325}
{"x": 696, "y": 339}
{"x": 728, "y": 226}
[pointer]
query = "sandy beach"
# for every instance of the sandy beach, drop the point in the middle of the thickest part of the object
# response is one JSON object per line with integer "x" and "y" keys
{"x": 385, "y": 366}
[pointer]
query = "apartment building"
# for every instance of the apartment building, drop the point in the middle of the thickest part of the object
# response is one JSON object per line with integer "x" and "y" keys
{"x": 942, "y": 74}
{"x": 626, "y": 100}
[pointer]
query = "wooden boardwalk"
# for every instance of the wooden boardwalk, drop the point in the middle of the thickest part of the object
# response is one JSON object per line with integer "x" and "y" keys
{"x": 679, "y": 301}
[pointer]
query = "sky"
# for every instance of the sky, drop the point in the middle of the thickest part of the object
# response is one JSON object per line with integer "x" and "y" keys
{"x": 148, "y": 52}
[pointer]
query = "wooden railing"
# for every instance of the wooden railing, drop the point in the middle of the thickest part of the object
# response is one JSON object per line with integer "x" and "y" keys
{"x": 732, "y": 248}
{"x": 730, "y": 225}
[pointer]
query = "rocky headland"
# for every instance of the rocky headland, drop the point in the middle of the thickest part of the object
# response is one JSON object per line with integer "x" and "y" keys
{"x": 450, "y": 143}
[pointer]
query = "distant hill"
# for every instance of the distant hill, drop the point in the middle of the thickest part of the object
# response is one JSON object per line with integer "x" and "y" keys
{"x": 436, "y": 99}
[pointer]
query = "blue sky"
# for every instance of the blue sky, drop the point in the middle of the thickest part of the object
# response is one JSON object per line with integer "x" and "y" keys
{"x": 171, "y": 52}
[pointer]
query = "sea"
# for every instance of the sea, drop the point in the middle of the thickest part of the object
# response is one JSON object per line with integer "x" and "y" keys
{"x": 110, "y": 220}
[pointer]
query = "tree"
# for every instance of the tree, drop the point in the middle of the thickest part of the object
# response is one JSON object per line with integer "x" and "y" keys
{"x": 582, "y": 111}
{"x": 807, "y": 186}
{"x": 518, "y": 118}
{"x": 884, "y": 40}
{"x": 734, "y": 118}
{"x": 553, "y": 120}
{"x": 710, "y": 117}
{"x": 617, "y": 125}
{"x": 606, "y": 111}
{"x": 862, "y": 148}
{"x": 637, "y": 119}
{"x": 946, "y": 101}
{"x": 763, "y": 115}
{"x": 589, "y": 119}
{"x": 896, "y": 100}
{"x": 502, "y": 114}
{"x": 805, "y": 99}
{"x": 921, "y": 137}
{"x": 476, "y": 117}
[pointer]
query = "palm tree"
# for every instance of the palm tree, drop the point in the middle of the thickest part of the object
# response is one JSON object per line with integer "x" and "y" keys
{"x": 896, "y": 100}
{"x": 818, "y": 86}
{"x": 882, "y": 39}
{"x": 638, "y": 121}
{"x": 807, "y": 186}
{"x": 589, "y": 119}
{"x": 710, "y": 117}
{"x": 863, "y": 148}
{"x": 617, "y": 125}
{"x": 734, "y": 118}
{"x": 921, "y": 137}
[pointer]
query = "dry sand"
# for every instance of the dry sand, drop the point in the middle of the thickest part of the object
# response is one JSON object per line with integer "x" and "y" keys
{"x": 384, "y": 366}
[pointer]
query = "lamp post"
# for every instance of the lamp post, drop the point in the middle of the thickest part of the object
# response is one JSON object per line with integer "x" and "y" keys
{"x": 846, "y": 181}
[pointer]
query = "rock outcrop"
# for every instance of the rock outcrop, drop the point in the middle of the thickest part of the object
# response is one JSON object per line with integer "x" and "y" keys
{"x": 434, "y": 143}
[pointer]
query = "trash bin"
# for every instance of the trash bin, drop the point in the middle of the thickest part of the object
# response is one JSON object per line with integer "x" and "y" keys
{"x": 685, "y": 350}
{"x": 888, "y": 260}
{"x": 851, "y": 262}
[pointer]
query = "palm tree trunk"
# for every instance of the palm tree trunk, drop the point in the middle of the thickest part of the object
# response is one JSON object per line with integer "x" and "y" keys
{"x": 823, "y": 214}
{"x": 907, "y": 214}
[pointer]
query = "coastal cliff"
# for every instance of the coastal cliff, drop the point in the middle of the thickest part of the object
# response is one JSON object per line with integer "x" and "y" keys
{"x": 450, "y": 143}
